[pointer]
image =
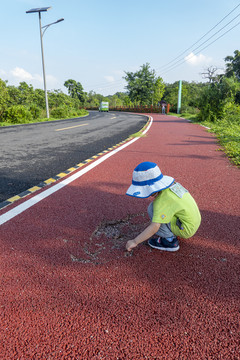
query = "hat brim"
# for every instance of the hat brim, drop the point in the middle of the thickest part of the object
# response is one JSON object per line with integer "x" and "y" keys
{"x": 147, "y": 190}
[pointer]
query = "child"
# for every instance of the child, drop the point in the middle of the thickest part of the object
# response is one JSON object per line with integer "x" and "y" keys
{"x": 173, "y": 212}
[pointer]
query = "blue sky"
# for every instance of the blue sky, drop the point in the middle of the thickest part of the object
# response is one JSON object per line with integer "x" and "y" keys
{"x": 99, "y": 40}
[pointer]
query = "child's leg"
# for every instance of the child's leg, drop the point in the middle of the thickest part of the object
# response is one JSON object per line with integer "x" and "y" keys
{"x": 165, "y": 229}
{"x": 166, "y": 240}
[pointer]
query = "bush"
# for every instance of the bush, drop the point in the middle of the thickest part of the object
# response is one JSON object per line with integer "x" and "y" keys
{"x": 82, "y": 112}
{"x": 215, "y": 97}
{"x": 189, "y": 110}
{"x": 64, "y": 112}
{"x": 17, "y": 114}
{"x": 60, "y": 112}
{"x": 232, "y": 113}
{"x": 35, "y": 111}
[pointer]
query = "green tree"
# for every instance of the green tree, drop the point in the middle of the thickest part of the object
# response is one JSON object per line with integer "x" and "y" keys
{"x": 216, "y": 96}
{"x": 93, "y": 99}
{"x": 119, "y": 99}
{"x": 75, "y": 90}
{"x": 113, "y": 100}
{"x": 4, "y": 97}
{"x": 191, "y": 93}
{"x": 171, "y": 95}
{"x": 158, "y": 90}
{"x": 126, "y": 101}
{"x": 14, "y": 95}
{"x": 26, "y": 93}
{"x": 39, "y": 98}
{"x": 140, "y": 85}
{"x": 57, "y": 98}
{"x": 233, "y": 65}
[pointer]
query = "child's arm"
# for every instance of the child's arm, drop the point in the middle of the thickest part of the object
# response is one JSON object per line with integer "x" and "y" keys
{"x": 146, "y": 234}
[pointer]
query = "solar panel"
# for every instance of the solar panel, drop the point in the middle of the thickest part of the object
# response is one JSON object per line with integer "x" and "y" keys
{"x": 39, "y": 9}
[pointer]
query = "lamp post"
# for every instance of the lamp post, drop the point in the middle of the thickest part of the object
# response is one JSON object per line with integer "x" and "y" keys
{"x": 39, "y": 10}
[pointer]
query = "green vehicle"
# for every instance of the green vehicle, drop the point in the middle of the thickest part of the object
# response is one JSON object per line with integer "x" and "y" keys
{"x": 104, "y": 106}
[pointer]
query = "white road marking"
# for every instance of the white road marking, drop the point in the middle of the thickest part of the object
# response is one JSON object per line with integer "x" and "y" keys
{"x": 44, "y": 194}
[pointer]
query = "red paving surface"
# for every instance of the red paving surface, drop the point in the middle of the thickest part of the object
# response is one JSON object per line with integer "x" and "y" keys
{"x": 70, "y": 292}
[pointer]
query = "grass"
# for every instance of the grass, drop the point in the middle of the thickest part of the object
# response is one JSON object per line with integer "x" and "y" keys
{"x": 137, "y": 134}
{"x": 5, "y": 123}
{"x": 228, "y": 134}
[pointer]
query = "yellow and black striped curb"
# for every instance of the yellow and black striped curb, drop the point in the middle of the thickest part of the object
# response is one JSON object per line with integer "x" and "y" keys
{"x": 63, "y": 174}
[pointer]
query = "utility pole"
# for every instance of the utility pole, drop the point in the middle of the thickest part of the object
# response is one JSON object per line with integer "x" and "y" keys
{"x": 179, "y": 97}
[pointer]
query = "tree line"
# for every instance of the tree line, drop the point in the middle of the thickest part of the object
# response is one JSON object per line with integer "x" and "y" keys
{"x": 23, "y": 103}
{"x": 211, "y": 99}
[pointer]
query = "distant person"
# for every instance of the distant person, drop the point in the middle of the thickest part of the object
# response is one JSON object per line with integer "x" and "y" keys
{"x": 173, "y": 211}
{"x": 163, "y": 109}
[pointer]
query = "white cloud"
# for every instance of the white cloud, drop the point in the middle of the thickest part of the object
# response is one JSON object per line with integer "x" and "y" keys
{"x": 21, "y": 74}
{"x": 196, "y": 60}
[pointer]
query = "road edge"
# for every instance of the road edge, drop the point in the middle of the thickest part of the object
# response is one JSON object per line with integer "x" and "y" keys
{"x": 68, "y": 172}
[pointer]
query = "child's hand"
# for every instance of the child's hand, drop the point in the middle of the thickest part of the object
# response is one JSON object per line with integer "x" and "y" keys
{"x": 131, "y": 244}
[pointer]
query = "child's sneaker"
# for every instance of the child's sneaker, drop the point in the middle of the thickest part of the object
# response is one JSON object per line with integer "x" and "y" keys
{"x": 163, "y": 244}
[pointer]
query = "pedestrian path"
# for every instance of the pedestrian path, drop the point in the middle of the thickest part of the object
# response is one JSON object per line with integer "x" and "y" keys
{"x": 69, "y": 290}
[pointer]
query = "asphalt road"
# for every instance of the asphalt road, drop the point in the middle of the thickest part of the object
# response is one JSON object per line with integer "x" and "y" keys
{"x": 30, "y": 154}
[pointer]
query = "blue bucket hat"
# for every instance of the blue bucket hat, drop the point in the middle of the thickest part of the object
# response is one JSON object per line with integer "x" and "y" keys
{"x": 147, "y": 179}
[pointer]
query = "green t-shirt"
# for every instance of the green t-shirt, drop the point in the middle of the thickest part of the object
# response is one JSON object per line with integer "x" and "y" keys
{"x": 176, "y": 203}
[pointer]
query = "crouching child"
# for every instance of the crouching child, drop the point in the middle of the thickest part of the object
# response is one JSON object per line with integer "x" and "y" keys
{"x": 173, "y": 212}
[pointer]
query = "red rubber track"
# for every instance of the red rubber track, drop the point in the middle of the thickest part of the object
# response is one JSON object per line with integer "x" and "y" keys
{"x": 68, "y": 290}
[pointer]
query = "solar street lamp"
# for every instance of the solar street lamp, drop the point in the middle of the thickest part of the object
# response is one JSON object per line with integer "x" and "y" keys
{"x": 39, "y": 10}
{"x": 47, "y": 26}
